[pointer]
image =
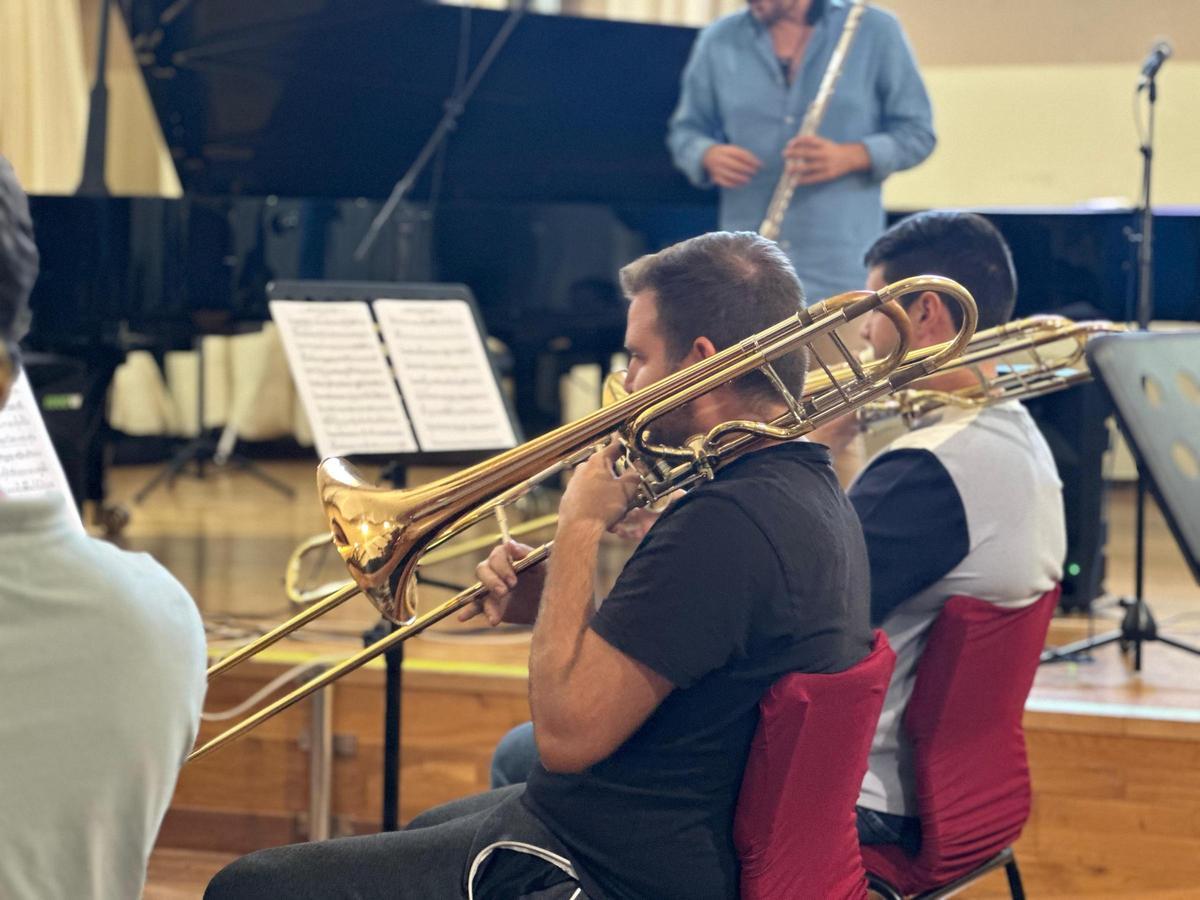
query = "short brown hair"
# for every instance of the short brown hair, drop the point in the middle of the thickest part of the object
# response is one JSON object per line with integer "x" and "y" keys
{"x": 724, "y": 286}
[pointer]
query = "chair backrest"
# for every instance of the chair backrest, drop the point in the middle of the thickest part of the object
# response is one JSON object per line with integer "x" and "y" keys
{"x": 794, "y": 828}
{"x": 964, "y": 723}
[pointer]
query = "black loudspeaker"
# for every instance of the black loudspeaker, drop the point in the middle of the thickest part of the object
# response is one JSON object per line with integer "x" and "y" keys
{"x": 1073, "y": 423}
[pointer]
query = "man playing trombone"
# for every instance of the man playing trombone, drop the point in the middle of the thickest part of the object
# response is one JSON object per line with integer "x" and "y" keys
{"x": 968, "y": 502}
{"x": 644, "y": 708}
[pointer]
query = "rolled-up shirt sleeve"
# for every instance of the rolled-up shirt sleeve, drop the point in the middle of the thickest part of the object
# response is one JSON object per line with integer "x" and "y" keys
{"x": 695, "y": 126}
{"x": 906, "y": 136}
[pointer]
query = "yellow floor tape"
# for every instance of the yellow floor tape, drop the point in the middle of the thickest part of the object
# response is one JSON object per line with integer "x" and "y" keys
{"x": 292, "y": 657}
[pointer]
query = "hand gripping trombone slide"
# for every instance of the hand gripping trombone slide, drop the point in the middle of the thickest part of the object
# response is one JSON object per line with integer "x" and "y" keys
{"x": 382, "y": 534}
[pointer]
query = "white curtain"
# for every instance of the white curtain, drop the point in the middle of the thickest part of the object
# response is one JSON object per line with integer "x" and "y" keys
{"x": 43, "y": 92}
{"x": 47, "y": 64}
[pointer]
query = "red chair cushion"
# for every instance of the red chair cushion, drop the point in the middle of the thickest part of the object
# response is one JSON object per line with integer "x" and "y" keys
{"x": 964, "y": 724}
{"x": 794, "y": 828}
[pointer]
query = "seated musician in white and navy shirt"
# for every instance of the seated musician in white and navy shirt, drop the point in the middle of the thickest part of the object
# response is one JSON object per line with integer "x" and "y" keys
{"x": 967, "y": 503}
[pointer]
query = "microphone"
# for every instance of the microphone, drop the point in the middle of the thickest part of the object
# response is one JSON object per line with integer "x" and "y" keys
{"x": 1158, "y": 55}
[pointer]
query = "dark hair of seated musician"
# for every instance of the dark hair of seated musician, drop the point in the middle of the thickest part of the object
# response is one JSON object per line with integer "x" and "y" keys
{"x": 959, "y": 245}
{"x": 968, "y": 502}
{"x": 643, "y": 708}
{"x": 18, "y": 271}
{"x": 698, "y": 286}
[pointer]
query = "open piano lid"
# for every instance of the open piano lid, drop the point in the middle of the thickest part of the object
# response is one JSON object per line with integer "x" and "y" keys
{"x": 336, "y": 97}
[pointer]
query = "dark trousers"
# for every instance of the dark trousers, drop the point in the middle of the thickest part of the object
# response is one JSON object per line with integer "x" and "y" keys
{"x": 886, "y": 828}
{"x": 429, "y": 860}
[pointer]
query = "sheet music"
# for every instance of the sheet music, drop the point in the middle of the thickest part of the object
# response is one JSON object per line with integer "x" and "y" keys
{"x": 342, "y": 375}
{"x": 29, "y": 467}
{"x": 447, "y": 380}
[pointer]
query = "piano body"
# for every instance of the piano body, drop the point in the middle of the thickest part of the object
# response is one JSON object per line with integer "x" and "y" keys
{"x": 289, "y": 123}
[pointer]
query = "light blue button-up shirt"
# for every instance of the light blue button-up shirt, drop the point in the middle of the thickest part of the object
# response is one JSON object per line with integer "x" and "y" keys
{"x": 734, "y": 92}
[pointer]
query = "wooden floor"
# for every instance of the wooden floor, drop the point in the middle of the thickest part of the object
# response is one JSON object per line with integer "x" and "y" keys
{"x": 1115, "y": 755}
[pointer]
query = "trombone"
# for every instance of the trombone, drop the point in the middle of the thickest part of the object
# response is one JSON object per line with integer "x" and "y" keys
{"x": 1032, "y": 356}
{"x": 300, "y": 596}
{"x": 612, "y": 389}
{"x": 383, "y": 534}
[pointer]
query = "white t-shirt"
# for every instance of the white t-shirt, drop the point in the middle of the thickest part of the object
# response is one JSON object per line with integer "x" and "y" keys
{"x": 971, "y": 505}
{"x": 102, "y": 658}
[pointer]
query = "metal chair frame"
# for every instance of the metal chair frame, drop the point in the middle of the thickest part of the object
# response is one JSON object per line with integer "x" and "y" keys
{"x": 1005, "y": 858}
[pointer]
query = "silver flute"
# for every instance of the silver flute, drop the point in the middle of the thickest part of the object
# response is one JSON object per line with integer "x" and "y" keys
{"x": 782, "y": 197}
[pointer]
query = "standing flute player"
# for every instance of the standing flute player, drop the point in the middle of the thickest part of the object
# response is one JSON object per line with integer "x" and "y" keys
{"x": 745, "y": 90}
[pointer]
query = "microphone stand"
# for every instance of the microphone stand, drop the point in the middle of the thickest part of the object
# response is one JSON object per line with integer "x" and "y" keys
{"x": 1138, "y": 625}
{"x": 453, "y": 107}
{"x": 1138, "y": 620}
{"x": 1145, "y": 303}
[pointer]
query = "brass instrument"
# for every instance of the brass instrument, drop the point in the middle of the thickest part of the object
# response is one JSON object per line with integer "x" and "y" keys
{"x": 611, "y": 390}
{"x": 382, "y": 534}
{"x": 786, "y": 186}
{"x": 301, "y": 596}
{"x": 1034, "y": 356}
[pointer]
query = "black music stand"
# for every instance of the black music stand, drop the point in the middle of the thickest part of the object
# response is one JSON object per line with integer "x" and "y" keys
{"x": 1154, "y": 383}
{"x": 396, "y": 463}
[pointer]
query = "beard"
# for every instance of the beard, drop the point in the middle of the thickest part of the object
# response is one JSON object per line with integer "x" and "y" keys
{"x": 674, "y": 428}
{"x": 769, "y": 12}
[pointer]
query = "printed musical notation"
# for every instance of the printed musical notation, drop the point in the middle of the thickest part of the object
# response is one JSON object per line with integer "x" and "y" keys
{"x": 445, "y": 376}
{"x": 342, "y": 375}
{"x": 29, "y": 467}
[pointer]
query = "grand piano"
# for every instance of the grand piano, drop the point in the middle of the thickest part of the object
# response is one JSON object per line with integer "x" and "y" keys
{"x": 290, "y": 120}
{"x": 289, "y": 123}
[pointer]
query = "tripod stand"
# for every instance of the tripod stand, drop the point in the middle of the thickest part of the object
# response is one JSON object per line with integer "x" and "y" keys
{"x": 1128, "y": 373}
{"x": 1143, "y": 373}
{"x": 204, "y": 449}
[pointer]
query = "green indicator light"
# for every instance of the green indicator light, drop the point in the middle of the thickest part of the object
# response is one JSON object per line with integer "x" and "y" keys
{"x": 1073, "y": 569}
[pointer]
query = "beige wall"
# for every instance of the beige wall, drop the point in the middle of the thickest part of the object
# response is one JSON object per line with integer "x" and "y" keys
{"x": 43, "y": 92}
{"x": 1052, "y": 135}
{"x": 1034, "y": 101}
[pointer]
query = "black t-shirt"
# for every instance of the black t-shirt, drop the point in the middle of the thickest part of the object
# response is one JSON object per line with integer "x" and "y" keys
{"x": 761, "y": 572}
